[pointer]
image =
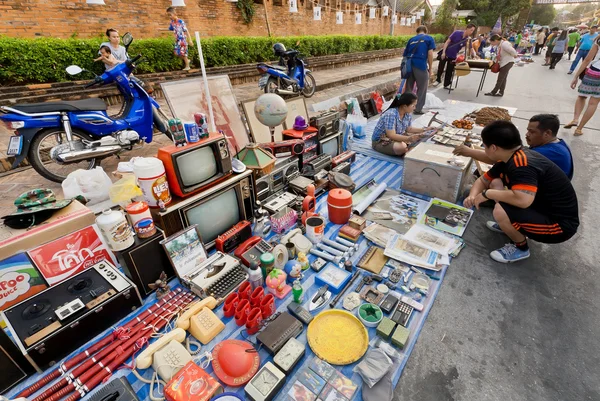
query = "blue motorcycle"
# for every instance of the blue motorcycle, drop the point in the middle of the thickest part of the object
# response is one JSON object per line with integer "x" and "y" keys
{"x": 61, "y": 137}
{"x": 290, "y": 77}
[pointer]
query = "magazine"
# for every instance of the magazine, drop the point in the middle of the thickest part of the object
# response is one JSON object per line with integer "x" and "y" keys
{"x": 378, "y": 234}
{"x": 446, "y": 216}
{"x": 400, "y": 249}
{"x": 433, "y": 240}
{"x": 396, "y": 210}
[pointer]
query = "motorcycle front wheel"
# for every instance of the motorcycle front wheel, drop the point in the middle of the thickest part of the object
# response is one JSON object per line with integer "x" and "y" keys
{"x": 310, "y": 85}
{"x": 42, "y": 162}
{"x": 271, "y": 86}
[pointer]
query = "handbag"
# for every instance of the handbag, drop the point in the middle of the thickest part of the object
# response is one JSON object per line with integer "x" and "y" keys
{"x": 406, "y": 65}
{"x": 496, "y": 66}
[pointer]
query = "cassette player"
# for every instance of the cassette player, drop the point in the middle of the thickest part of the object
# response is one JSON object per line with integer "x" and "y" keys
{"x": 327, "y": 123}
{"x": 319, "y": 163}
{"x": 291, "y": 147}
{"x": 347, "y": 156}
{"x": 56, "y": 321}
{"x": 231, "y": 238}
{"x": 342, "y": 168}
{"x": 277, "y": 202}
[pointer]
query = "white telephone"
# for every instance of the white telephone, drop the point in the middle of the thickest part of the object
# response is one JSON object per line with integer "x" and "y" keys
{"x": 166, "y": 355}
{"x": 295, "y": 236}
{"x": 201, "y": 321}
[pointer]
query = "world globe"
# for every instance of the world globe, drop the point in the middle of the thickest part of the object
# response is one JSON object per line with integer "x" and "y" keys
{"x": 270, "y": 109}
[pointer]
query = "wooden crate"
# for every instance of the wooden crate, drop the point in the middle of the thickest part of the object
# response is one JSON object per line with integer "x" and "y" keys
{"x": 427, "y": 172}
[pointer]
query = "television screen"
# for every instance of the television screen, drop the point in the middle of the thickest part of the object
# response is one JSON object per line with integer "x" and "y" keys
{"x": 331, "y": 146}
{"x": 216, "y": 215}
{"x": 196, "y": 166}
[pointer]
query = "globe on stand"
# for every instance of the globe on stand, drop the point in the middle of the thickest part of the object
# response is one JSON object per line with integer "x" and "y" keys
{"x": 271, "y": 110}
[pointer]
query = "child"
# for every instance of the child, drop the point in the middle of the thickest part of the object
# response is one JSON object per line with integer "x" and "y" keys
{"x": 181, "y": 35}
{"x": 107, "y": 58}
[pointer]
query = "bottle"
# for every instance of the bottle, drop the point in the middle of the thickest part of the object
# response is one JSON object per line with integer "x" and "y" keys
{"x": 297, "y": 292}
{"x": 468, "y": 143}
{"x": 255, "y": 277}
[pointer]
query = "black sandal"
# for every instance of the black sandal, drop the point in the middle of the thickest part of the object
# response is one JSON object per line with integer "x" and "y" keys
{"x": 490, "y": 94}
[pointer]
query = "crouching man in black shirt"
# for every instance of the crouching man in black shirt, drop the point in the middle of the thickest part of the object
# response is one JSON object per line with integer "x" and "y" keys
{"x": 538, "y": 201}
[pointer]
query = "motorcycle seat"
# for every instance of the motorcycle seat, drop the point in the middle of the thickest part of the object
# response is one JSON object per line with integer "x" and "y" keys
{"x": 92, "y": 104}
{"x": 277, "y": 67}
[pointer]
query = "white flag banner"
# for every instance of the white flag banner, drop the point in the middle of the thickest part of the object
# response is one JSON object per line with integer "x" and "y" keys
{"x": 317, "y": 13}
{"x": 422, "y": 12}
{"x": 414, "y": 20}
{"x": 372, "y": 13}
{"x": 394, "y": 19}
{"x": 358, "y": 18}
{"x": 339, "y": 17}
{"x": 385, "y": 11}
{"x": 403, "y": 21}
{"x": 293, "y": 6}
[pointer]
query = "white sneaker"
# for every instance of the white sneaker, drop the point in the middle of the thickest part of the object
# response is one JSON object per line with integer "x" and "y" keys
{"x": 436, "y": 83}
{"x": 509, "y": 253}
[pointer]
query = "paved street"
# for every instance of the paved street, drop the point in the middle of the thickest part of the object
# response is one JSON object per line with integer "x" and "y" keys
{"x": 519, "y": 332}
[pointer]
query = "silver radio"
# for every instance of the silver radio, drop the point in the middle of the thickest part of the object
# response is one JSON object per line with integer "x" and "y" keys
{"x": 327, "y": 123}
{"x": 276, "y": 181}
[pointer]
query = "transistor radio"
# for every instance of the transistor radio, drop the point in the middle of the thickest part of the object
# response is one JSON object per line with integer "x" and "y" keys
{"x": 321, "y": 162}
{"x": 54, "y": 322}
{"x": 347, "y": 156}
{"x": 327, "y": 123}
{"x": 291, "y": 147}
{"x": 231, "y": 238}
{"x": 342, "y": 168}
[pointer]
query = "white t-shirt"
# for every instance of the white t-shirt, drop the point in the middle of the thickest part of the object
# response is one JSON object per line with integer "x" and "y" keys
{"x": 507, "y": 53}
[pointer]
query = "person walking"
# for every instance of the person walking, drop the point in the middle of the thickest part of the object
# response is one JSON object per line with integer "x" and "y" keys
{"x": 449, "y": 52}
{"x": 550, "y": 45}
{"x": 539, "y": 44}
{"x": 584, "y": 45}
{"x": 560, "y": 45}
{"x": 574, "y": 37}
{"x": 588, "y": 88}
{"x": 506, "y": 58}
{"x": 182, "y": 34}
{"x": 419, "y": 55}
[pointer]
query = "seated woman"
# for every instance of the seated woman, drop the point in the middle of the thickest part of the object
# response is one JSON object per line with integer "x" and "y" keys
{"x": 390, "y": 134}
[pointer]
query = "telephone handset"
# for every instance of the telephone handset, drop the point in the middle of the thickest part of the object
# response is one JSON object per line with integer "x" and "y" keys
{"x": 201, "y": 321}
{"x": 300, "y": 241}
{"x": 251, "y": 249}
{"x": 144, "y": 360}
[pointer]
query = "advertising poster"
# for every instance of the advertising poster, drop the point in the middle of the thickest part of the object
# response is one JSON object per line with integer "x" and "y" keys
{"x": 19, "y": 280}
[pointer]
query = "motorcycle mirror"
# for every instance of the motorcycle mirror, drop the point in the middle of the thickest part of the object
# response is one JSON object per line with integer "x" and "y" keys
{"x": 127, "y": 39}
{"x": 73, "y": 69}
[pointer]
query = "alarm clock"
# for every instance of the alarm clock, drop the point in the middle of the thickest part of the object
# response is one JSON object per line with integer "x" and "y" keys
{"x": 265, "y": 384}
{"x": 289, "y": 355}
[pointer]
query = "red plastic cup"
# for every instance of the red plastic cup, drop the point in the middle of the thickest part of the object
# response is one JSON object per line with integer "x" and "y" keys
{"x": 241, "y": 312}
{"x": 257, "y": 296}
{"x": 254, "y": 321}
{"x": 267, "y": 306}
{"x": 245, "y": 290}
{"x": 230, "y": 305}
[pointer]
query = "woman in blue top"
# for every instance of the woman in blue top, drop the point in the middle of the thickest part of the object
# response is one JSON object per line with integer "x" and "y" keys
{"x": 391, "y": 134}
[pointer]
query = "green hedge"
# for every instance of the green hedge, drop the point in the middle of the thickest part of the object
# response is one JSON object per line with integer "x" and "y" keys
{"x": 43, "y": 60}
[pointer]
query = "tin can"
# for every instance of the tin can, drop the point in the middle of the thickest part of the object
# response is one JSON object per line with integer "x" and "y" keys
{"x": 191, "y": 132}
{"x": 141, "y": 219}
{"x": 177, "y": 131}
{"x": 202, "y": 124}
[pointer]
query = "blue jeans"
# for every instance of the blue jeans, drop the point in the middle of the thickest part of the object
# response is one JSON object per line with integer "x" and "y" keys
{"x": 581, "y": 55}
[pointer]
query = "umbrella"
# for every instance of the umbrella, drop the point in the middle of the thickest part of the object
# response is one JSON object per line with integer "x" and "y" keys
{"x": 582, "y": 26}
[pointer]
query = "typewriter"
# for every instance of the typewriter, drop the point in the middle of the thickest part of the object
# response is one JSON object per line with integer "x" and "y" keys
{"x": 218, "y": 276}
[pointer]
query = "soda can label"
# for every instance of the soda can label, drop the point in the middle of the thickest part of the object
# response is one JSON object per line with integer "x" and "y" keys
{"x": 191, "y": 132}
{"x": 202, "y": 124}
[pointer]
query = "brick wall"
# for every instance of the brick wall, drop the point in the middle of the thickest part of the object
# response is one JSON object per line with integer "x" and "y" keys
{"x": 147, "y": 18}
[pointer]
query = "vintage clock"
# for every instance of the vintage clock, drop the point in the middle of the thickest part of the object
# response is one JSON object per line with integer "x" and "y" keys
{"x": 265, "y": 384}
{"x": 289, "y": 355}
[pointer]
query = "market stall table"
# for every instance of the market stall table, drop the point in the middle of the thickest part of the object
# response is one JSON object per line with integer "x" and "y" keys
{"x": 481, "y": 66}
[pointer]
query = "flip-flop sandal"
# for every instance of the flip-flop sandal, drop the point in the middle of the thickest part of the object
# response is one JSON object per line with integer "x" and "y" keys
{"x": 571, "y": 124}
{"x": 578, "y": 132}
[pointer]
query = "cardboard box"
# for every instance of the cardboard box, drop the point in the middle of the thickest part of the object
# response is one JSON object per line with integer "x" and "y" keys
{"x": 65, "y": 221}
{"x": 427, "y": 171}
{"x": 192, "y": 383}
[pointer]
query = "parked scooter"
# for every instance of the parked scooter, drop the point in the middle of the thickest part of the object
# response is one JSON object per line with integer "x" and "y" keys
{"x": 292, "y": 79}
{"x": 61, "y": 137}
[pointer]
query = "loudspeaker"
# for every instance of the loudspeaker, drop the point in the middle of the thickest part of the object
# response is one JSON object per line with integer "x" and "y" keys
{"x": 15, "y": 368}
{"x": 144, "y": 261}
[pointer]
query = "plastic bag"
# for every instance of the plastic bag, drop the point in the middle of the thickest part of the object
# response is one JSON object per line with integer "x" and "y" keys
{"x": 124, "y": 190}
{"x": 358, "y": 124}
{"x": 433, "y": 102}
{"x": 378, "y": 101}
{"x": 93, "y": 184}
{"x": 373, "y": 366}
{"x": 354, "y": 107}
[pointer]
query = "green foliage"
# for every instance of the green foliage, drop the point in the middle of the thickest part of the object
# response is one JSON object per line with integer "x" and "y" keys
{"x": 542, "y": 14}
{"x": 247, "y": 9}
{"x": 444, "y": 21}
{"x": 488, "y": 11}
{"x": 45, "y": 59}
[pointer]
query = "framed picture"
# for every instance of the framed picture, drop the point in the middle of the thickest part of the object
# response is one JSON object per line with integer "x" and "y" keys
{"x": 185, "y": 250}
{"x": 296, "y": 107}
{"x": 186, "y": 97}
{"x": 260, "y": 132}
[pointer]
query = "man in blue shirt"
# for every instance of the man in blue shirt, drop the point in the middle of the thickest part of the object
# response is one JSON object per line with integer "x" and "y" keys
{"x": 585, "y": 45}
{"x": 541, "y": 137}
{"x": 419, "y": 52}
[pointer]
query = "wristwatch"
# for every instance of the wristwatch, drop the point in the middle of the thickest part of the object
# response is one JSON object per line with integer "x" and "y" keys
{"x": 484, "y": 194}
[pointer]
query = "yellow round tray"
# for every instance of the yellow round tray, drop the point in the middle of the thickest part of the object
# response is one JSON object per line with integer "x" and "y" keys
{"x": 337, "y": 337}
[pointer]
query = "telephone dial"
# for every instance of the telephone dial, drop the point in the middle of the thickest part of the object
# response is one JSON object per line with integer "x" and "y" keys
{"x": 251, "y": 249}
{"x": 201, "y": 321}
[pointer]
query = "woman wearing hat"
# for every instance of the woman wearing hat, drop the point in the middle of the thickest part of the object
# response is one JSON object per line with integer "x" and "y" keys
{"x": 393, "y": 131}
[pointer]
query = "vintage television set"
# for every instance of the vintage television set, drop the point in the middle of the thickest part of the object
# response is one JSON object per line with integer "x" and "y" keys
{"x": 332, "y": 145}
{"x": 214, "y": 210}
{"x": 197, "y": 166}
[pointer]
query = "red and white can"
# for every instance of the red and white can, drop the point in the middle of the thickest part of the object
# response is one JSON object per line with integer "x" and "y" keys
{"x": 139, "y": 214}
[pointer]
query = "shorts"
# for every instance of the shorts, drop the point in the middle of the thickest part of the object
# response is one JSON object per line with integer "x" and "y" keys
{"x": 539, "y": 227}
{"x": 590, "y": 84}
{"x": 385, "y": 147}
{"x": 549, "y": 51}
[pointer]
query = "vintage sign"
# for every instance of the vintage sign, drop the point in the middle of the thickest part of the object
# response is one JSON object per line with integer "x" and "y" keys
{"x": 19, "y": 280}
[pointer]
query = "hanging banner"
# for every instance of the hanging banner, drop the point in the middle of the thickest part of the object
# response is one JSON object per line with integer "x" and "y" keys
{"x": 394, "y": 19}
{"x": 317, "y": 13}
{"x": 385, "y": 11}
{"x": 422, "y": 12}
{"x": 339, "y": 17}
{"x": 497, "y": 29}
{"x": 293, "y": 6}
{"x": 358, "y": 18}
{"x": 372, "y": 13}
{"x": 403, "y": 21}
{"x": 414, "y": 20}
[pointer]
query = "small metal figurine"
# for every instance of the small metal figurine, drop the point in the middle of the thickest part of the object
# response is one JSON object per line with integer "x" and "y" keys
{"x": 161, "y": 286}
